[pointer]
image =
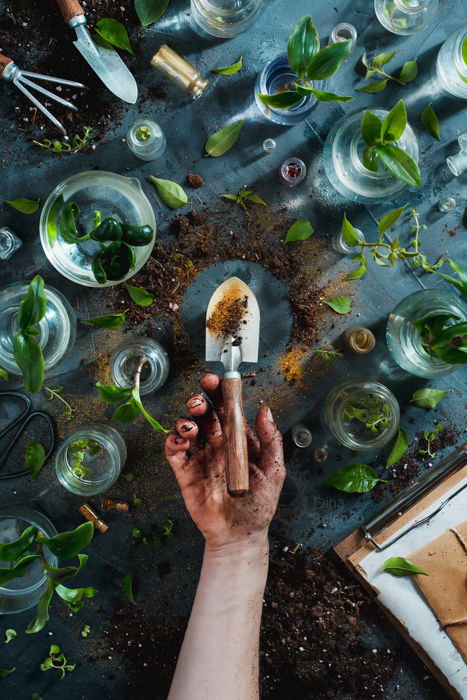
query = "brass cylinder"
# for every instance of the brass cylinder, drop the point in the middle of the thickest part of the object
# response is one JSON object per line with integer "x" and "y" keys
{"x": 179, "y": 71}
{"x": 360, "y": 340}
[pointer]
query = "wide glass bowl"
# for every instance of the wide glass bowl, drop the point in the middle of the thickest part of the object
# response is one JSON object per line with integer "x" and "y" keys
{"x": 97, "y": 190}
{"x": 22, "y": 593}
{"x": 126, "y": 358}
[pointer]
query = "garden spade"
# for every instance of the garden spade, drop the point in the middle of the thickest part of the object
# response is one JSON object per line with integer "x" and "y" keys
{"x": 237, "y": 346}
{"x": 103, "y": 59}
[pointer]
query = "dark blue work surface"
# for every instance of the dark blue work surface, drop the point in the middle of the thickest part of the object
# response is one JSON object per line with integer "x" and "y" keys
{"x": 308, "y": 514}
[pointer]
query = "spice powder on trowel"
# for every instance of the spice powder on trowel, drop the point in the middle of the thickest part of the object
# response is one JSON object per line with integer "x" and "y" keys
{"x": 226, "y": 319}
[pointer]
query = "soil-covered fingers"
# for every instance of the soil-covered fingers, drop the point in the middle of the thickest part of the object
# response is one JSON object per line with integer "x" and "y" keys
{"x": 200, "y": 409}
{"x": 188, "y": 430}
{"x": 178, "y": 456}
{"x": 271, "y": 450}
{"x": 253, "y": 444}
{"x": 211, "y": 384}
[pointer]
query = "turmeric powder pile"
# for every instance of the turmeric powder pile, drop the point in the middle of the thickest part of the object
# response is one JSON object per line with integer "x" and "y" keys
{"x": 291, "y": 365}
{"x": 228, "y": 314}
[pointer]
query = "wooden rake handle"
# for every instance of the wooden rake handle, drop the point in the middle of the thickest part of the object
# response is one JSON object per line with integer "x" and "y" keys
{"x": 70, "y": 9}
{"x": 4, "y": 62}
{"x": 235, "y": 444}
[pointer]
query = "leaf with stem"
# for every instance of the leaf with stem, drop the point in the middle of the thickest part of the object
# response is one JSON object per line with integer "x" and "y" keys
{"x": 149, "y": 11}
{"x": 327, "y": 61}
{"x": 23, "y": 205}
{"x": 229, "y": 70}
{"x": 430, "y": 121}
{"x": 398, "y": 566}
{"x": 400, "y": 164}
{"x": 222, "y": 141}
{"x": 354, "y": 478}
{"x": 340, "y": 305}
{"x": 77, "y": 143}
{"x": 67, "y": 545}
{"x": 35, "y": 458}
{"x": 398, "y": 449}
{"x": 115, "y": 33}
{"x": 302, "y": 45}
{"x": 321, "y": 95}
{"x": 55, "y": 394}
{"x": 428, "y": 398}
{"x": 109, "y": 321}
{"x": 244, "y": 196}
{"x": 171, "y": 194}
{"x": 299, "y": 231}
{"x": 127, "y": 586}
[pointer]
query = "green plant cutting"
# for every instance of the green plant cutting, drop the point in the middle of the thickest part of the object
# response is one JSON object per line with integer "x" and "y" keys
{"x": 75, "y": 144}
{"x": 380, "y": 137}
{"x": 369, "y": 409}
{"x": 116, "y": 240}
{"x": 27, "y": 351}
{"x": 309, "y": 63}
{"x": 31, "y": 547}
{"x": 69, "y": 411}
{"x": 430, "y": 436}
{"x": 444, "y": 336}
{"x": 408, "y": 72}
{"x": 244, "y": 196}
{"x": 78, "y": 451}
{"x": 58, "y": 661}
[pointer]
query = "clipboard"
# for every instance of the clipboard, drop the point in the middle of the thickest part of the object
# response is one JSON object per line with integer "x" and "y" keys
{"x": 413, "y": 508}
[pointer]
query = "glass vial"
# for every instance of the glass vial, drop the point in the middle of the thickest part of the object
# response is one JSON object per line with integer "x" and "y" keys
{"x": 301, "y": 435}
{"x": 224, "y": 18}
{"x": 146, "y": 139}
{"x": 360, "y": 340}
{"x": 447, "y": 204}
{"x": 269, "y": 145}
{"x": 179, "y": 71}
{"x": 126, "y": 358}
{"x": 292, "y": 171}
{"x": 342, "y": 32}
{"x": 9, "y": 243}
{"x": 321, "y": 454}
{"x": 457, "y": 164}
{"x": 340, "y": 246}
{"x": 405, "y": 16}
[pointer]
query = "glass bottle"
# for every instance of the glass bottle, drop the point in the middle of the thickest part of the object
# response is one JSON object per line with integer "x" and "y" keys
{"x": 343, "y": 164}
{"x": 146, "y": 139}
{"x": 405, "y": 16}
{"x": 126, "y": 358}
{"x": 340, "y": 246}
{"x": 22, "y": 593}
{"x": 450, "y": 65}
{"x": 447, "y": 204}
{"x": 404, "y": 340}
{"x": 269, "y": 145}
{"x": 457, "y": 164}
{"x": 292, "y": 171}
{"x": 9, "y": 243}
{"x": 90, "y": 461}
{"x": 56, "y": 330}
{"x": 360, "y": 340}
{"x": 375, "y": 405}
{"x": 178, "y": 71}
{"x": 224, "y": 18}
{"x": 301, "y": 435}
{"x": 342, "y": 32}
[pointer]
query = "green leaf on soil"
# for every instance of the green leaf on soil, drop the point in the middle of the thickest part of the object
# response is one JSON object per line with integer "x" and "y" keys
{"x": 299, "y": 231}
{"x": 109, "y": 321}
{"x": 139, "y": 295}
{"x": 149, "y": 11}
{"x": 354, "y": 478}
{"x": 127, "y": 587}
{"x": 115, "y": 33}
{"x": 398, "y": 449}
{"x": 35, "y": 458}
{"x": 340, "y": 305}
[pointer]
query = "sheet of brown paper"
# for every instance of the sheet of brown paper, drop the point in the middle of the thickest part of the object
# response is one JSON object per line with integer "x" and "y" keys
{"x": 445, "y": 588}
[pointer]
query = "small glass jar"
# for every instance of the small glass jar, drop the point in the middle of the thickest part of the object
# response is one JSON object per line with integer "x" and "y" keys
{"x": 301, "y": 435}
{"x": 269, "y": 146}
{"x": 447, "y": 204}
{"x": 360, "y": 340}
{"x": 403, "y": 339}
{"x": 450, "y": 65}
{"x": 292, "y": 172}
{"x": 340, "y": 246}
{"x": 22, "y": 593}
{"x": 342, "y": 159}
{"x": 126, "y": 358}
{"x": 276, "y": 77}
{"x": 224, "y": 18}
{"x": 57, "y": 329}
{"x": 405, "y": 16}
{"x": 90, "y": 461}
{"x": 9, "y": 243}
{"x": 342, "y": 32}
{"x": 146, "y": 139}
{"x": 457, "y": 164}
{"x": 373, "y": 402}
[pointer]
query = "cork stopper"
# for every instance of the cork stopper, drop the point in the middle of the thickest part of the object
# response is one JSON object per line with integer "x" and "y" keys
{"x": 360, "y": 340}
{"x": 179, "y": 71}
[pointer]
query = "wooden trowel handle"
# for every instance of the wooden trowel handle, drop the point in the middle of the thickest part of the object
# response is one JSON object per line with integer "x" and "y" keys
{"x": 235, "y": 445}
{"x": 70, "y": 9}
{"x": 4, "y": 62}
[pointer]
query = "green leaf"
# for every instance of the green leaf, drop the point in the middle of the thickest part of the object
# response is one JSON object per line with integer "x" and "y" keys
{"x": 327, "y": 61}
{"x": 390, "y": 219}
{"x": 451, "y": 344}
{"x": 255, "y": 198}
{"x": 109, "y": 321}
{"x": 230, "y": 70}
{"x": 113, "y": 394}
{"x": 9, "y": 635}
{"x": 281, "y": 100}
{"x": 222, "y": 141}
{"x": 28, "y": 356}
{"x": 18, "y": 569}
{"x": 394, "y": 123}
{"x": 58, "y": 573}
{"x": 360, "y": 270}
{"x": 400, "y": 164}
{"x": 139, "y": 295}
{"x": 340, "y": 305}
{"x": 115, "y": 33}
{"x": 302, "y": 45}
{"x": 171, "y": 194}
{"x": 67, "y": 223}
{"x": 464, "y": 51}
{"x": 428, "y": 398}
{"x": 374, "y": 87}
{"x": 371, "y": 128}
{"x": 149, "y": 11}
{"x": 3, "y": 374}
{"x": 355, "y": 478}
{"x": 349, "y": 233}
{"x": 398, "y": 449}
{"x": 66, "y": 545}
{"x": 299, "y": 231}
{"x": 23, "y": 205}
{"x": 382, "y": 58}
{"x": 127, "y": 586}
{"x": 154, "y": 423}
{"x": 321, "y": 95}
{"x": 4, "y": 672}
{"x": 35, "y": 458}
{"x": 42, "y": 612}
{"x": 13, "y": 550}
{"x": 430, "y": 121}
{"x": 409, "y": 71}
{"x": 32, "y": 308}
{"x": 73, "y": 597}
{"x": 370, "y": 159}
{"x": 127, "y": 412}
{"x": 398, "y": 566}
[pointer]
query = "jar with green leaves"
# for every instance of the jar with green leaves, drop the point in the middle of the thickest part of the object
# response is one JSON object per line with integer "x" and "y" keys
{"x": 406, "y": 17}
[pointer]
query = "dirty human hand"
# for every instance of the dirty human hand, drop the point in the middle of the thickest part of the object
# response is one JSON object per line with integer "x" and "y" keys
{"x": 196, "y": 455}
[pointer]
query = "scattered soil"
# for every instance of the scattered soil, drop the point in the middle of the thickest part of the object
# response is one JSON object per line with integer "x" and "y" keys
{"x": 227, "y": 316}
{"x": 195, "y": 181}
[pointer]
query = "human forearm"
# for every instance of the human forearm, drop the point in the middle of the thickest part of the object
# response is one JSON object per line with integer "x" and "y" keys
{"x": 219, "y": 656}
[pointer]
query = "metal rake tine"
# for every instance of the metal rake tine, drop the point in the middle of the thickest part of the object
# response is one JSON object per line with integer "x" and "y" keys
{"x": 51, "y": 79}
{"x": 40, "y": 106}
{"x": 45, "y": 92}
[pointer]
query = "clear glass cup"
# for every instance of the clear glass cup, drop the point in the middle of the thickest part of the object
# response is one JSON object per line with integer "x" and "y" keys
{"x": 90, "y": 461}
{"x": 146, "y": 139}
{"x": 112, "y": 195}
{"x": 405, "y": 16}
{"x": 362, "y": 395}
{"x": 404, "y": 340}
{"x": 450, "y": 65}
{"x": 126, "y": 358}
{"x": 57, "y": 329}
{"x": 22, "y": 593}
{"x": 274, "y": 78}
{"x": 224, "y": 18}
{"x": 342, "y": 159}
{"x": 342, "y": 32}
